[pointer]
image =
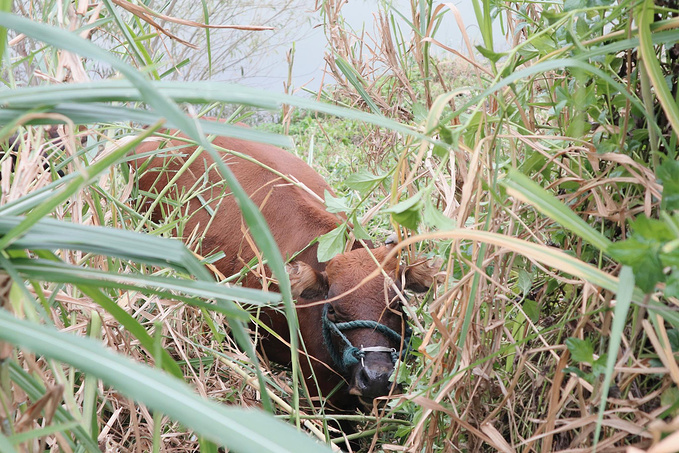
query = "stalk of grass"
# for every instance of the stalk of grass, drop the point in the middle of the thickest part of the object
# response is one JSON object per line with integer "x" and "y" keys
{"x": 90, "y": 386}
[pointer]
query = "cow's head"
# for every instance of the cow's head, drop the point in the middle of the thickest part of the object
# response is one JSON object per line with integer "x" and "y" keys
{"x": 364, "y": 327}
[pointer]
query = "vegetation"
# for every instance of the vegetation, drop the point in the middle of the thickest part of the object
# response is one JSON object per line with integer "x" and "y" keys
{"x": 544, "y": 175}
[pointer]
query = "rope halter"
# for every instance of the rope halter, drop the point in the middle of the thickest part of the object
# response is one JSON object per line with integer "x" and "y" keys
{"x": 351, "y": 355}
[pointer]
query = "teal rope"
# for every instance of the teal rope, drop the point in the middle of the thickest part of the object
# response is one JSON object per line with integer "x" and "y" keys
{"x": 351, "y": 355}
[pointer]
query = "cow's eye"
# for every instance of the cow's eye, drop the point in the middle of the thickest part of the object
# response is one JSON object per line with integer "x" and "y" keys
{"x": 331, "y": 310}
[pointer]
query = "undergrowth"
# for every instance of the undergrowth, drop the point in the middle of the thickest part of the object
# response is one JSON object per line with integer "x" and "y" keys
{"x": 544, "y": 176}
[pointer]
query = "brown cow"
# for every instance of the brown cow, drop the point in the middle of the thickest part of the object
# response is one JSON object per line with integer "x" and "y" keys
{"x": 364, "y": 355}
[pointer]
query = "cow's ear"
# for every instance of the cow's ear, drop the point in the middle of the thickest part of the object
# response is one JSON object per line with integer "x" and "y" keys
{"x": 422, "y": 274}
{"x": 306, "y": 282}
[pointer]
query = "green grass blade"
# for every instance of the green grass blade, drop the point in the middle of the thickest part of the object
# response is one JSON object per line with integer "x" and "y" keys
{"x": 193, "y": 92}
{"x": 44, "y": 270}
{"x": 131, "y": 42}
{"x": 103, "y": 113}
{"x": 131, "y": 325}
{"x": 242, "y": 430}
{"x": 528, "y": 191}
{"x": 6, "y": 6}
{"x": 40, "y": 432}
{"x": 355, "y": 80}
{"x": 552, "y": 65}
{"x": 6, "y": 445}
{"x": 652, "y": 65}
{"x": 622, "y": 305}
{"x": 53, "y": 234}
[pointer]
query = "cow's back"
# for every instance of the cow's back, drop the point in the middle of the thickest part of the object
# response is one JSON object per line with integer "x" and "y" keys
{"x": 294, "y": 215}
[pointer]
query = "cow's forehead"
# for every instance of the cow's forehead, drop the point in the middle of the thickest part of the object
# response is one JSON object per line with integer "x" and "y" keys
{"x": 354, "y": 266}
{"x": 348, "y": 270}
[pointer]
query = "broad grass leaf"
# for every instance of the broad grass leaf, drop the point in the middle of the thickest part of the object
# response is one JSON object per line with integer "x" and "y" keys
{"x": 492, "y": 56}
{"x": 522, "y": 187}
{"x": 239, "y": 429}
{"x": 625, "y": 295}
{"x": 5, "y": 444}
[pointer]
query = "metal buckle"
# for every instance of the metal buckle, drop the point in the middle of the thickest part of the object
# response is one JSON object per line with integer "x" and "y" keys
{"x": 373, "y": 349}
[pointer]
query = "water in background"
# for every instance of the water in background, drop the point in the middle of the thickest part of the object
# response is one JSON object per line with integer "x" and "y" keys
{"x": 258, "y": 59}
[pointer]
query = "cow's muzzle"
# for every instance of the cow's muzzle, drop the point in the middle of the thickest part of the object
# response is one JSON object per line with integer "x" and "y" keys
{"x": 370, "y": 378}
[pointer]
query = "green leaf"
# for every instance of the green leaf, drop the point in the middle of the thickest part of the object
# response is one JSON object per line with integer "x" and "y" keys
{"x": 5, "y": 444}
{"x": 407, "y": 212}
{"x": 670, "y": 397}
{"x": 491, "y": 55}
{"x": 599, "y": 365}
{"x": 673, "y": 336}
{"x": 672, "y": 284}
{"x": 525, "y": 281}
{"x": 645, "y": 15}
{"x": 420, "y": 112}
{"x": 44, "y": 270}
{"x": 6, "y": 6}
{"x": 354, "y": 78}
{"x": 652, "y": 229}
{"x": 239, "y": 429}
{"x": 336, "y": 204}
{"x": 357, "y": 228}
{"x": 581, "y": 351}
{"x": 363, "y": 181}
{"x": 434, "y": 218}
{"x": 41, "y": 432}
{"x": 51, "y": 234}
{"x": 332, "y": 243}
{"x": 577, "y": 371}
{"x": 668, "y": 174}
{"x": 531, "y": 309}
{"x": 630, "y": 251}
{"x": 570, "y": 5}
{"x": 648, "y": 271}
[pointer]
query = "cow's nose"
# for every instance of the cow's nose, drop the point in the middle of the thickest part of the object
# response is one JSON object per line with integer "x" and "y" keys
{"x": 371, "y": 381}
